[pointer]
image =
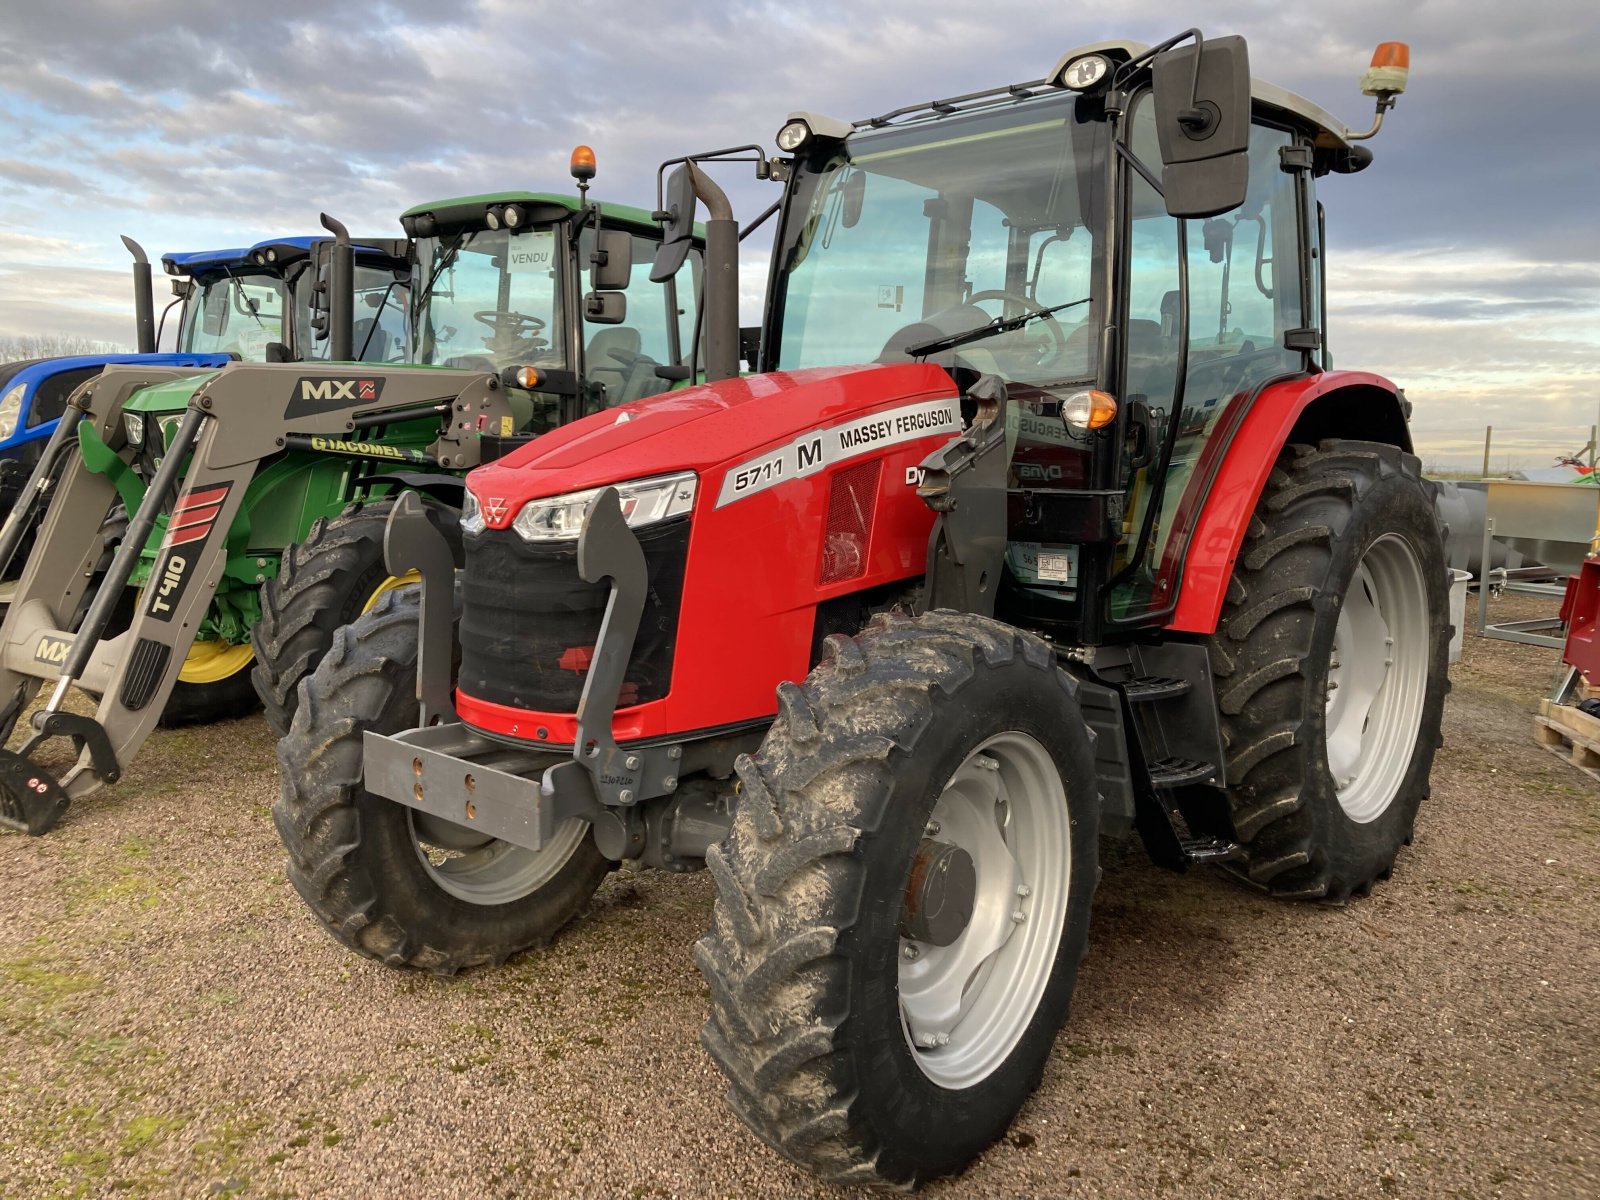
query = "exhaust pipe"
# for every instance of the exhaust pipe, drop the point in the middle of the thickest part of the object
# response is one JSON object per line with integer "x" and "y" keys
{"x": 722, "y": 278}
{"x": 341, "y": 293}
{"x": 144, "y": 309}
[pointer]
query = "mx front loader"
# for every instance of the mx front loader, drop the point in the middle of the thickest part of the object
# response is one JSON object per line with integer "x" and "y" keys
{"x": 310, "y": 477}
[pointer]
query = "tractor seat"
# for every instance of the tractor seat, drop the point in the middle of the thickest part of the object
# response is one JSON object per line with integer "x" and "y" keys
{"x": 606, "y": 370}
{"x": 626, "y": 381}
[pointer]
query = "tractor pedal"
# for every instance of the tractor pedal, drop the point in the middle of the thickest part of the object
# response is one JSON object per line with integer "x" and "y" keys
{"x": 1154, "y": 687}
{"x": 31, "y": 801}
{"x": 1210, "y": 850}
{"x": 1175, "y": 772}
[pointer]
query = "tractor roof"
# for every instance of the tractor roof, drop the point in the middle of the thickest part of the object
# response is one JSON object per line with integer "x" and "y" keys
{"x": 546, "y": 206}
{"x": 1328, "y": 131}
{"x": 286, "y": 250}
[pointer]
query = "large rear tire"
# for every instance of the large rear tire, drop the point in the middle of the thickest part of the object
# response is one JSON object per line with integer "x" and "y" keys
{"x": 1330, "y": 664}
{"x": 855, "y": 1042}
{"x": 324, "y": 583}
{"x": 389, "y": 882}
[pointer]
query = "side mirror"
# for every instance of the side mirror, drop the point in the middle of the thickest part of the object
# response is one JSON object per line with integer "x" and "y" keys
{"x": 605, "y": 308}
{"x": 1202, "y": 99}
{"x": 855, "y": 194}
{"x": 612, "y": 261}
{"x": 679, "y": 236}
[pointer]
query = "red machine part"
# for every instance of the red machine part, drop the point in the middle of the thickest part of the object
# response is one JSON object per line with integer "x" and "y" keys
{"x": 771, "y": 453}
{"x": 1237, "y": 466}
{"x": 1581, "y": 611}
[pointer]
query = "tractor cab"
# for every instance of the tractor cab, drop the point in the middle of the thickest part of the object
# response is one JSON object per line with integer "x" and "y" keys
{"x": 501, "y": 287}
{"x": 260, "y": 304}
{"x": 1024, "y": 234}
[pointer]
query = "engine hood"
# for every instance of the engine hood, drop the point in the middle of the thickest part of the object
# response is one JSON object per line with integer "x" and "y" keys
{"x": 172, "y": 396}
{"x": 705, "y": 429}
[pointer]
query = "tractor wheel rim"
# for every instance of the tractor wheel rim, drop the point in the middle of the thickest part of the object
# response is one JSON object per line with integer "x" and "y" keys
{"x": 1378, "y": 679}
{"x": 214, "y": 661}
{"x": 389, "y": 584}
{"x": 484, "y": 870}
{"x": 965, "y": 1006}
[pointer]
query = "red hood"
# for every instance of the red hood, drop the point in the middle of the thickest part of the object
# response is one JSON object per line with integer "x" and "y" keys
{"x": 698, "y": 429}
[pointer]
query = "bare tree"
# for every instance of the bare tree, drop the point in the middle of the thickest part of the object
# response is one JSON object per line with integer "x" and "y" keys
{"x": 53, "y": 345}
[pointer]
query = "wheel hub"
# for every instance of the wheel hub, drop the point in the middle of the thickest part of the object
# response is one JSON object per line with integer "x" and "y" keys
{"x": 941, "y": 894}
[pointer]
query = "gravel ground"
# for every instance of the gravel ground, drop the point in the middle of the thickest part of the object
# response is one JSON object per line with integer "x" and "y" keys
{"x": 173, "y": 1022}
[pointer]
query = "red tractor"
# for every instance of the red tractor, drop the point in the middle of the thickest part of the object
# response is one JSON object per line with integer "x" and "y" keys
{"x": 1090, "y": 541}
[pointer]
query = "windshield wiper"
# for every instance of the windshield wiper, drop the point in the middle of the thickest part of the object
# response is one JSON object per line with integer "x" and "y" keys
{"x": 445, "y": 259}
{"x": 999, "y": 325}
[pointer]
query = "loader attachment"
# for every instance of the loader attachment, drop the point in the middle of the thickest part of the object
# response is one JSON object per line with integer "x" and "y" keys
{"x": 57, "y": 631}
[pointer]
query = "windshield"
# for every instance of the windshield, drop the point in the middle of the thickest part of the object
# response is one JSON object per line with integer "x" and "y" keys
{"x": 494, "y": 300}
{"x": 236, "y": 312}
{"x": 906, "y": 235}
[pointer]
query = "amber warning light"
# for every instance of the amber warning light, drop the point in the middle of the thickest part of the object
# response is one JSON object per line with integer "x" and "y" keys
{"x": 583, "y": 163}
{"x": 1391, "y": 63}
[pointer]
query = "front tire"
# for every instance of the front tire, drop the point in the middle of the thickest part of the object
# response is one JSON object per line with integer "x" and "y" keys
{"x": 1330, "y": 668}
{"x": 864, "y": 1049}
{"x": 324, "y": 583}
{"x": 388, "y": 882}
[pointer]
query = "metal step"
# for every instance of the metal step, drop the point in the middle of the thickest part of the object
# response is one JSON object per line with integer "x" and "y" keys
{"x": 1174, "y": 772}
{"x": 1210, "y": 850}
{"x": 1154, "y": 687}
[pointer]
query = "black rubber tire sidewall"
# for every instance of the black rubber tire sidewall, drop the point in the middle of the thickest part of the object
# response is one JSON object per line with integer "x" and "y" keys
{"x": 937, "y": 1130}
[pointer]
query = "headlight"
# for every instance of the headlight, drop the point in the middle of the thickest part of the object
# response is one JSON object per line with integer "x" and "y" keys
{"x": 471, "y": 515}
{"x": 644, "y": 502}
{"x": 11, "y": 410}
{"x": 793, "y": 136}
{"x": 133, "y": 427}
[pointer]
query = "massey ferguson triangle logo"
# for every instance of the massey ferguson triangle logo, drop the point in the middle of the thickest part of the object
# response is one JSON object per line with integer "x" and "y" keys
{"x": 494, "y": 509}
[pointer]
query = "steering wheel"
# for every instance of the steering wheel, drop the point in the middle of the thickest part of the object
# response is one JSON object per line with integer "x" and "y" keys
{"x": 1026, "y": 306}
{"x": 514, "y": 324}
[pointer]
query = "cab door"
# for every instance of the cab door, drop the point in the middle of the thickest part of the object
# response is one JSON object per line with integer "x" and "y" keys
{"x": 1209, "y": 308}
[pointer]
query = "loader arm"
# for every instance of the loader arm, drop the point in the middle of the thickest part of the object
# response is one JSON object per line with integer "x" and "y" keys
{"x": 54, "y": 632}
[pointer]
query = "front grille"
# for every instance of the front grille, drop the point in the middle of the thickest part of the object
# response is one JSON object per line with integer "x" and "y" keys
{"x": 529, "y": 624}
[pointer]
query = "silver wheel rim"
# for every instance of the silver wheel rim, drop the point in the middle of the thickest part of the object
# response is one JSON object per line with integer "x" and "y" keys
{"x": 1377, "y": 679}
{"x": 965, "y": 1006}
{"x": 485, "y": 870}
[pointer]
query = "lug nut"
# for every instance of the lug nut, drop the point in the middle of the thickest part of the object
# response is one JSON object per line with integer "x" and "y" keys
{"x": 987, "y": 763}
{"x": 910, "y": 953}
{"x": 1019, "y": 916}
{"x": 931, "y": 829}
{"x": 1024, "y": 890}
{"x": 929, "y": 1040}
{"x": 942, "y": 1039}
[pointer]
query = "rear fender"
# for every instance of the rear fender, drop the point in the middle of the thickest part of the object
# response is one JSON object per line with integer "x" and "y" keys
{"x": 1334, "y": 404}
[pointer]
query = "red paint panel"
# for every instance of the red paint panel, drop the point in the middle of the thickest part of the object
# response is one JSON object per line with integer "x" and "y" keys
{"x": 1225, "y": 507}
{"x": 751, "y": 585}
{"x": 1581, "y": 611}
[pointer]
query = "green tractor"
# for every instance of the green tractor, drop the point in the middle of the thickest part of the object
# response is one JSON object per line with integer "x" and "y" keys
{"x": 285, "y": 472}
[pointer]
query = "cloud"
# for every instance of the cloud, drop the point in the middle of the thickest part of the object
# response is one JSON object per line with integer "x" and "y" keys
{"x": 1461, "y": 259}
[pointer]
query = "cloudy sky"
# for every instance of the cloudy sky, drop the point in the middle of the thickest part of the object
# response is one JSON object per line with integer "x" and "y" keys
{"x": 1465, "y": 263}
